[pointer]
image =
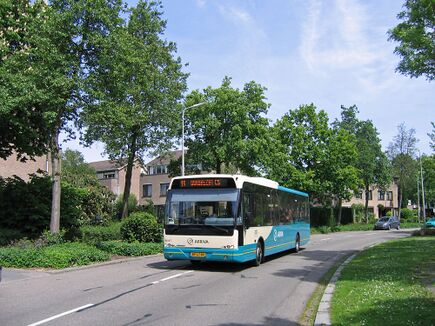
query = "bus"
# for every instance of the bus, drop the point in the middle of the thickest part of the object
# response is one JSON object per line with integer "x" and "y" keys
{"x": 233, "y": 218}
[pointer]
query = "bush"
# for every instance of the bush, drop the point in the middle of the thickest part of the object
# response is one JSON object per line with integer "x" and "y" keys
{"x": 130, "y": 249}
{"x": 407, "y": 214}
{"x": 96, "y": 234}
{"x": 26, "y": 206}
{"x": 142, "y": 227}
{"x": 48, "y": 239}
{"x": 56, "y": 256}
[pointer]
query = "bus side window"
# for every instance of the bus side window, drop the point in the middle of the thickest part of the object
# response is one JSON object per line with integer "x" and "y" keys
{"x": 247, "y": 208}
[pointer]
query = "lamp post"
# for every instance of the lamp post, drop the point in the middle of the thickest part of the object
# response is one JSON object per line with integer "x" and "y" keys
{"x": 182, "y": 132}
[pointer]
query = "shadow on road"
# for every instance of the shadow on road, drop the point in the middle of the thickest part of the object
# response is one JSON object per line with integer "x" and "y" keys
{"x": 267, "y": 321}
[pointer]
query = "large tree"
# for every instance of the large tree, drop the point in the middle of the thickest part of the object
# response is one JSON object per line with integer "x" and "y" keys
{"x": 55, "y": 50}
{"x": 401, "y": 152}
{"x": 133, "y": 94}
{"x": 416, "y": 35}
{"x": 432, "y": 137}
{"x": 226, "y": 133}
{"x": 300, "y": 151}
{"x": 23, "y": 127}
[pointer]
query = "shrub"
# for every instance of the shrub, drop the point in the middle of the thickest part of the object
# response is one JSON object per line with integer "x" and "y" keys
{"x": 142, "y": 227}
{"x": 56, "y": 256}
{"x": 95, "y": 234}
{"x": 130, "y": 249}
{"x": 26, "y": 206}
{"x": 48, "y": 239}
{"x": 407, "y": 214}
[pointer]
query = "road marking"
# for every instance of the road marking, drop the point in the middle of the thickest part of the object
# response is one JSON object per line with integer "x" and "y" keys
{"x": 62, "y": 314}
{"x": 372, "y": 233}
{"x": 171, "y": 277}
{"x": 325, "y": 239}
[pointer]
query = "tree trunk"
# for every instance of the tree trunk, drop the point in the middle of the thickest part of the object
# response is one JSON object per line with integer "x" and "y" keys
{"x": 399, "y": 191}
{"x": 340, "y": 201}
{"x": 56, "y": 185}
{"x": 218, "y": 167}
{"x": 366, "y": 207}
{"x": 127, "y": 185}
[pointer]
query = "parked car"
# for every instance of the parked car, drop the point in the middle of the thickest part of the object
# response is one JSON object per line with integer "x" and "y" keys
{"x": 387, "y": 223}
{"x": 430, "y": 223}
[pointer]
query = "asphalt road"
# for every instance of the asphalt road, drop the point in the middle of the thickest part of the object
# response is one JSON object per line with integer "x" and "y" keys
{"x": 152, "y": 291}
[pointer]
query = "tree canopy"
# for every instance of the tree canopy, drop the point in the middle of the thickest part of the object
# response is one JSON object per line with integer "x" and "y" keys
{"x": 417, "y": 39}
{"x": 132, "y": 95}
{"x": 227, "y": 132}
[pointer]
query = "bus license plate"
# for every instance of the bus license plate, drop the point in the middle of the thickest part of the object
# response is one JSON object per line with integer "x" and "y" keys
{"x": 197, "y": 254}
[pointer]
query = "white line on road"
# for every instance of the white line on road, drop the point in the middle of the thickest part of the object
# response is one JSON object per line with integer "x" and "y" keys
{"x": 171, "y": 277}
{"x": 325, "y": 239}
{"x": 62, "y": 314}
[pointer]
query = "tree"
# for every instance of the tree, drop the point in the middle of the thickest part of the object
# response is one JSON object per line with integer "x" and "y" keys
{"x": 371, "y": 162}
{"x": 428, "y": 166}
{"x": 132, "y": 95}
{"x": 227, "y": 132}
{"x": 45, "y": 63}
{"x": 76, "y": 171}
{"x": 23, "y": 127}
{"x": 416, "y": 37}
{"x": 339, "y": 168}
{"x": 401, "y": 153}
{"x": 300, "y": 151}
{"x": 432, "y": 137}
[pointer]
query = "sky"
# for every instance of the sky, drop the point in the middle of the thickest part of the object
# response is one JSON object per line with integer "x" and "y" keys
{"x": 330, "y": 53}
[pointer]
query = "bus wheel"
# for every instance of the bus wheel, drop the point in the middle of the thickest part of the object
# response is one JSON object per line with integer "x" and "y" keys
{"x": 297, "y": 244}
{"x": 259, "y": 254}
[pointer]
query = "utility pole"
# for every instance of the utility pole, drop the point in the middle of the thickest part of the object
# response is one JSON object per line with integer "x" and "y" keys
{"x": 422, "y": 192}
{"x": 418, "y": 197}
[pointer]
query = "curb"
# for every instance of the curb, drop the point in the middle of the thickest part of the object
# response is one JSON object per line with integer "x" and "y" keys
{"x": 110, "y": 262}
{"x": 323, "y": 317}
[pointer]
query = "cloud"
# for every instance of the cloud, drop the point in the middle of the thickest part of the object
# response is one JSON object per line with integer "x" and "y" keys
{"x": 200, "y": 3}
{"x": 236, "y": 14}
{"x": 334, "y": 36}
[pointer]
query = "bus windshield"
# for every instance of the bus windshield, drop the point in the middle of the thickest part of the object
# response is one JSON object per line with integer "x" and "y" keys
{"x": 214, "y": 207}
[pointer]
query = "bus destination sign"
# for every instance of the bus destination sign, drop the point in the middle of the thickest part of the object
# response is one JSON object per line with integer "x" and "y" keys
{"x": 203, "y": 183}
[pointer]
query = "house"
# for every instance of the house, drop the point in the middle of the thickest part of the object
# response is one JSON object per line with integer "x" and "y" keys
{"x": 11, "y": 166}
{"x": 380, "y": 201}
{"x": 111, "y": 174}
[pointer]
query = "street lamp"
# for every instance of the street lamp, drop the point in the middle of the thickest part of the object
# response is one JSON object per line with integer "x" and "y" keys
{"x": 182, "y": 132}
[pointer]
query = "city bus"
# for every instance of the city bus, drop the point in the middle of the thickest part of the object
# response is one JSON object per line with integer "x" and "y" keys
{"x": 233, "y": 218}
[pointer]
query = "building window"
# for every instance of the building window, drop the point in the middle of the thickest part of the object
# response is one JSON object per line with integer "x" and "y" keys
{"x": 358, "y": 195}
{"x": 389, "y": 195}
{"x": 164, "y": 189}
{"x": 381, "y": 195}
{"x": 370, "y": 195}
{"x": 109, "y": 175}
{"x": 147, "y": 190}
{"x": 158, "y": 169}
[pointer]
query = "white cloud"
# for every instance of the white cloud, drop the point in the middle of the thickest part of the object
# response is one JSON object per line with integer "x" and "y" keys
{"x": 237, "y": 15}
{"x": 334, "y": 36}
{"x": 200, "y": 3}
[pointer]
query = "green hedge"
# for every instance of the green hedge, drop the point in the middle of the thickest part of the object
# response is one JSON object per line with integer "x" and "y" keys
{"x": 141, "y": 227}
{"x": 96, "y": 234}
{"x": 130, "y": 249}
{"x": 56, "y": 256}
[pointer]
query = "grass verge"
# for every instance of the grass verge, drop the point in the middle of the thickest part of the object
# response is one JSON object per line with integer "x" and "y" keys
{"x": 130, "y": 249}
{"x": 388, "y": 285}
{"x": 309, "y": 314}
{"x": 358, "y": 227}
{"x": 55, "y": 256}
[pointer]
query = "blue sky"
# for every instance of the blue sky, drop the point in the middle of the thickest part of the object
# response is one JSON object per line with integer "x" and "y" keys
{"x": 330, "y": 53}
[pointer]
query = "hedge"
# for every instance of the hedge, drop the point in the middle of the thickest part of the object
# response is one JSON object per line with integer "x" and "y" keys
{"x": 130, "y": 249}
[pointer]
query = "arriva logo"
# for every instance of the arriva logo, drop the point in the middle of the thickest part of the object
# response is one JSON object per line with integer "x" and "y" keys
{"x": 199, "y": 241}
{"x": 277, "y": 234}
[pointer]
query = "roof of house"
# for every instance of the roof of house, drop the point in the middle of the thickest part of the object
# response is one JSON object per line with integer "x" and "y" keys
{"x": 166, "y": 158}
{"x": 109, "y": 165}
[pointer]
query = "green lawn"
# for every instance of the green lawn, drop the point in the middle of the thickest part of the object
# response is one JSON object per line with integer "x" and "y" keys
{"x": 388, "y": 285}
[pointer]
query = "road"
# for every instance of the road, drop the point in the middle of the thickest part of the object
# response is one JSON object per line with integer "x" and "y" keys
{"x": 152, "y": 291}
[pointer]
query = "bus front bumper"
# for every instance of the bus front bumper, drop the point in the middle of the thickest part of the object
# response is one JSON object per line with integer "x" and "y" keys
{"x": 210, "y": 254}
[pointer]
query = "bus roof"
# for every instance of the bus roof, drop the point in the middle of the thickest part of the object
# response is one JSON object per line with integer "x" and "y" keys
{"x": 240, "y": 179}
